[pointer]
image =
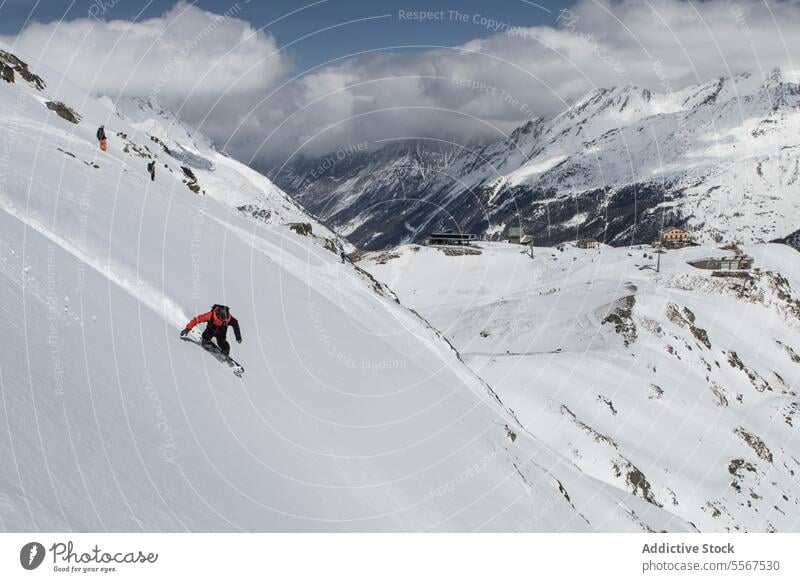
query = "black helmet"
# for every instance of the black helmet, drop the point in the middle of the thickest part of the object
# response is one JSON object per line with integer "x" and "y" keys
{"x": 223, "y": 313}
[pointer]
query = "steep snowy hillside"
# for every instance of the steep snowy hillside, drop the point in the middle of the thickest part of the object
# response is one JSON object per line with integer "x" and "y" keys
{"x": 679, "y": 385}
{"x": 618, "y": 165}
{"x": 353, "y": 413}
{"x": 218, "y": 175}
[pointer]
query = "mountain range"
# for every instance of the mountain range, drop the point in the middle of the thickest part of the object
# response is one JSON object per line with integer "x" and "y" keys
{"x": 353, "y": 412}
{"x": 414, "y": 389}
{"x": 619, "y": 164}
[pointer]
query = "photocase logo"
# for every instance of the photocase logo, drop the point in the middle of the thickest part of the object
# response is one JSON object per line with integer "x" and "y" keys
{"x": 31, "y": 555}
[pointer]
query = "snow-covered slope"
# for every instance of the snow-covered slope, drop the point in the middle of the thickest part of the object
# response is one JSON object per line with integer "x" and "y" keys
{"x": 617, "y": 165}
{"x": 353, "y": 413}
{"x": 218, "y": 175}
{"x": 679, "y": 385}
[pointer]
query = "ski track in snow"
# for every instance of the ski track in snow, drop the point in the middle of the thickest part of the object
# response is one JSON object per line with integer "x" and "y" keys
{"x": 141, "y": 290}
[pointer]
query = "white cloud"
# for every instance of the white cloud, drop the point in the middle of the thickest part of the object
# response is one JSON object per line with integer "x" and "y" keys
{"x": 227, "y": 69}
{"x": 187, "y": 51}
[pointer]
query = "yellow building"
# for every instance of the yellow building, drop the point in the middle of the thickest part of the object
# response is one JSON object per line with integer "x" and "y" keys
{"x": 673, "y": 238}
{"x": 587, "y": 243}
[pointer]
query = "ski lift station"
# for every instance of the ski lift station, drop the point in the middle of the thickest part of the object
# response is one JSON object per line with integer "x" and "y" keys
{"x": 448, "y": 237}
{"x": 740, "y": 262}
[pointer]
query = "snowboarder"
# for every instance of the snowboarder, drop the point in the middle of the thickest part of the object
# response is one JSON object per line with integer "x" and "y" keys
{"x": 151, "y": 167}
{"x": 218, "y": 320}
{"x": 342, "y": 255}
{"x": 101, "y": 137}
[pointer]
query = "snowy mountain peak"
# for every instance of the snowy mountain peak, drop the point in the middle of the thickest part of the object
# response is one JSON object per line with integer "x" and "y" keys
{"x": 718, "y": 157}
{"x": 598, "y": 100}
{"x": 147, "y": 115}
{"x": 525, "y": 131}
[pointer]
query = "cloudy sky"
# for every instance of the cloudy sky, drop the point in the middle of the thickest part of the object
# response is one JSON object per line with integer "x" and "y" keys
{"x": 267, "y": 80}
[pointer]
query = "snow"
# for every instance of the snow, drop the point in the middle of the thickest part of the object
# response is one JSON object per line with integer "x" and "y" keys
{"x": 791, "y": 75}
{"x": 720, "y": 157}
{"x": 354, "y": 414}
{"x": 220, "y": 176}
{"x": 528, "y": 171}
{"x": 576, "y": 220}
{"x": 649, "y": 395}
{"x": 495, "y": 231}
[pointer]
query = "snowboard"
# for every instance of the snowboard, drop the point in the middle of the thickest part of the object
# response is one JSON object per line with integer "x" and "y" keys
{"x": 236, "y": 367}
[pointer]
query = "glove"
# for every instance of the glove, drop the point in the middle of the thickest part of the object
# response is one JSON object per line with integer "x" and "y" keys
{"x": 238, "y": 340}
{"x": 185, "y": 331}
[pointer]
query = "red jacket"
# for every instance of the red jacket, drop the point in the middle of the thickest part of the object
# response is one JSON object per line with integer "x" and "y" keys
{"x": 214, "y": 321}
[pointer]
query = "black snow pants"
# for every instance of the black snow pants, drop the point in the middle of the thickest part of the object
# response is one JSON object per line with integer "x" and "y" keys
{"x": 219, "y": 333}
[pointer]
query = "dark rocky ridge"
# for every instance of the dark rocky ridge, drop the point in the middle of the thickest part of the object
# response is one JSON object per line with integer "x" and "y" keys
{"x": 11, "y": 65}
{"x": 408, "y": 192}
{"x": 614, "y": 167}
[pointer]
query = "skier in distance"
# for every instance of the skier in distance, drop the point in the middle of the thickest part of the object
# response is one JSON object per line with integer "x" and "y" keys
{"x": 101, "y": 137}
